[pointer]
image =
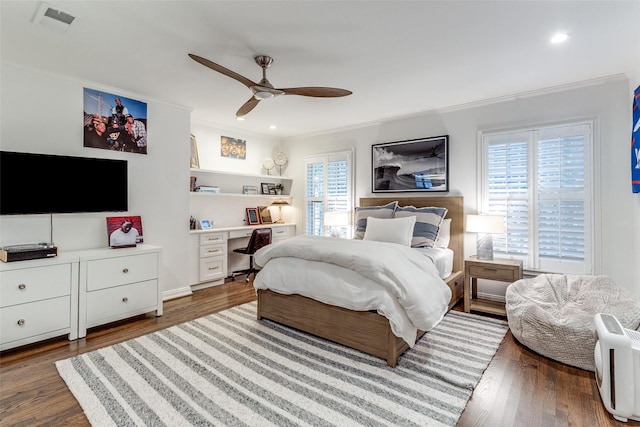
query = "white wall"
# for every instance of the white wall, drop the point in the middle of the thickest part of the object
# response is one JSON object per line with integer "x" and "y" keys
{"x": 42, "y": 113}
{"x": 606, "y": 101}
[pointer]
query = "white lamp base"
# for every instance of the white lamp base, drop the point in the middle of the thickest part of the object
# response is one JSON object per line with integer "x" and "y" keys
{"x": 485, "y": 247}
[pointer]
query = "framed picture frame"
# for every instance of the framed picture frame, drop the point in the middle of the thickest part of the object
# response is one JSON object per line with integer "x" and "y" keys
{"x": 412, "y": 165}
{"x": 265, "y": 215}
{"x": 194, "y": 161}
{"x": 252, "y": 216}
{"x": 265, "y": 187}
{"x": 205, "y": 224}
{"x": 249, "y": 189}
{"x": 124, "y": 231}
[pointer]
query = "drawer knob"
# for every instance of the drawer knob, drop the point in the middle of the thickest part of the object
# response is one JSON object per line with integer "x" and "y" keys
{"x": 125, "y": 270}
{"x": 213, "y": 251}
{"x": 213, "y": 268}
{"x": 125, "y": 299}
{"x": 214, "y": 238}
{"x": 22, "y": 286}
{"x": 21, "y": 322}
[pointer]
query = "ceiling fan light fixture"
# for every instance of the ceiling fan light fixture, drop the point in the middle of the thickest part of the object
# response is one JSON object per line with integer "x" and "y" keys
{"x": 262, "y": 95}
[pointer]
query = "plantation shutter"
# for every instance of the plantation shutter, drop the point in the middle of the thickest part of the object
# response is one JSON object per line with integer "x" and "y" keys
{"x": 541, "y": 181}
{"x": 328, "y": 189}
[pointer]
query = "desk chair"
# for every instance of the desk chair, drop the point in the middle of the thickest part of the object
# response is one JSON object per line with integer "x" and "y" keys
{"x": 259, "y": 238}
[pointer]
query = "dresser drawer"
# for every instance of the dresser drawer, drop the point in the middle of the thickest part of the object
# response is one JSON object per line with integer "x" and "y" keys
{"x": 35, "y": 318}
{"x": 109, "y": 272}
{"x": 280, "y": 233}
{"x": 209, "y": 238}
{"x": 34, "y": 284}
{"x": 211, "y": 269}
{"x": 119, "y": 302}
{"x": 494, "y": 273}
{"x": 236, "y": 234}
{"x": 212, "y": 250}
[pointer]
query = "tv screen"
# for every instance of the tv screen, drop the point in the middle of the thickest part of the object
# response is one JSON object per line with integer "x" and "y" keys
{"x": 42, "y": 183}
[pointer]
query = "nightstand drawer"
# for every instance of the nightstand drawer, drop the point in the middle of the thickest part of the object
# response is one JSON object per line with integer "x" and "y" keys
{"x": 493, "y": 273}
{"x": 34, "y": 284}
{"x": 109, "y": 272}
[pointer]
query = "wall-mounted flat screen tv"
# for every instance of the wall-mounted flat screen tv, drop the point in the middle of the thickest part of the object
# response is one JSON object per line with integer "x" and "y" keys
{"x": 42, "y": 183}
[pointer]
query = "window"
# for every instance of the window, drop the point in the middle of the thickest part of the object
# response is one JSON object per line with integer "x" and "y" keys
{"x": 328, "y": 189}
{"x": 541, "y": 181}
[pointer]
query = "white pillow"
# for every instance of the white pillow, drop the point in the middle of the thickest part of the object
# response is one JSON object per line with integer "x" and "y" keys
{"x": 444, "y": 234}
{"x": 392, "y": 230}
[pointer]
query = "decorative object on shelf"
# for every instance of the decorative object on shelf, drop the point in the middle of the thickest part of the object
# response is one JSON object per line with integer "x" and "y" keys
{"x": 208, "y": 189}
{"x": 205, "y": 224}
{"x": 249, "y": 189}
{"x": 233, "y": 148}
{"x": 268, "y": 188}
{"x": 192, "y": 223}
{"x": 424, "y": 163}
{"x": 265, "y": 215}
{"x": 485, "y": 226}
{"x": 280, "y": 160}
{"x": 252, "y": 216}
{"x": 192, "y": 183}
{"x": 124, "y": 231}
{"x": 268, "y": 164}
{"x": 279, "y": 204}
{"x": 279, "y": 188}
{"x": 194, "y": 161}
{"x": 113, "y": 122}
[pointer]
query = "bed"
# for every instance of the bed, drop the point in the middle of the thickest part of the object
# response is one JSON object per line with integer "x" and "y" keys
{"x": 365, "y": 330}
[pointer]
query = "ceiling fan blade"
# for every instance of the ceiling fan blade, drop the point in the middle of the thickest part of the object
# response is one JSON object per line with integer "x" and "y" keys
{"x": 219, "y": 68}
{"x": 318, "y": 92}
{"x": 247, "y": 106}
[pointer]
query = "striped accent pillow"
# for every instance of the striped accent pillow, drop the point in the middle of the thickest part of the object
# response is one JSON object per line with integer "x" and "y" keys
{"x": 428, "y": 221}
{"x": 362, "y": 213}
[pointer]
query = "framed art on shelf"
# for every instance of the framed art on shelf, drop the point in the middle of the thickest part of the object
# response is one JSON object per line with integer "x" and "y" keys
{"x": 124, "y": 231}
{"x": 413, "y": 165}
{"x": 249, "y": 189}
{"x": 252, "y": 216}
{"x": 194, "y": 161}
{"x": 266, "y": 188}
{"x": 265, "y": 215}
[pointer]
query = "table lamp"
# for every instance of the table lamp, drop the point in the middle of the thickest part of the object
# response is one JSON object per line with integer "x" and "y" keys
{"x": 485, "y": 226}
{"x": 335, "y": 220}
{"x": 279, "y": 204}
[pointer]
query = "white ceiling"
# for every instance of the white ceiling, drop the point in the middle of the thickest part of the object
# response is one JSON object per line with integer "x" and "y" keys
{"x": 398, "y": 57}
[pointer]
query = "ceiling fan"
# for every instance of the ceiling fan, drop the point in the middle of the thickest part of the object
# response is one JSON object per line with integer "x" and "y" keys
{"x": 264, "y": 89}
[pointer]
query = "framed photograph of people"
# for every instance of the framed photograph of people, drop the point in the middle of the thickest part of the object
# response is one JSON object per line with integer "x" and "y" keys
{"x": 114, "y": 122}
{"x": 252, "y": 216}
{"x": 413, "y": 165}
{"x": 124, "y": 231}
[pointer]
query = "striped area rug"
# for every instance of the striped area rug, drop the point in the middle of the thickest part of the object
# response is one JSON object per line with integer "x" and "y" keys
{"x": 230, "y": 369}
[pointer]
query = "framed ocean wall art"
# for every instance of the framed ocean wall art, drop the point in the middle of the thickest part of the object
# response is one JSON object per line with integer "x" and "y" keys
{"x": 412, "y": 165}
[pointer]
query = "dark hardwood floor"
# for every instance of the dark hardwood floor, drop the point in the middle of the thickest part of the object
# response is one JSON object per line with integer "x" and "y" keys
{"x": 519, "y": 388}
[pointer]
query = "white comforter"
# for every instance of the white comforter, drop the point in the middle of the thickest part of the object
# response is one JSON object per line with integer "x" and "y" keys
{"x": 396, "y": 281}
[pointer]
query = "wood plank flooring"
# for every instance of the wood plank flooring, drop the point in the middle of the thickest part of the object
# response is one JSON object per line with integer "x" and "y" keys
{"x": 519, "y": 388}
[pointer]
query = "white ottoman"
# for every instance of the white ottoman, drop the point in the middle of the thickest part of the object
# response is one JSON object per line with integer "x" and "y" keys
{"x": 552, "y": 314}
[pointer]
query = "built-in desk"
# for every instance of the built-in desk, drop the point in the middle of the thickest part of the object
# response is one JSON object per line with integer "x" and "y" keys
{"x": 211, "y": 256}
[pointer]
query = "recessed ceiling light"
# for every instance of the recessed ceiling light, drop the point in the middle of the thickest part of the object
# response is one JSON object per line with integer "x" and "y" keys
{"x": 559, "y": 38}
{"x": 272, "y": 127}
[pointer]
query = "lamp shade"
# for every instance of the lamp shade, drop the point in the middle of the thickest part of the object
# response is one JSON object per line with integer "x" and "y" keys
{"x": 488, "y": 224}
{"x": 279, "y": 203}
{"x": 336, "y": 218}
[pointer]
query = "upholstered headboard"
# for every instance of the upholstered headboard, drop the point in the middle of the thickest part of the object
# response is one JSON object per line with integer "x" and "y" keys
{"x": 455, "y": 211}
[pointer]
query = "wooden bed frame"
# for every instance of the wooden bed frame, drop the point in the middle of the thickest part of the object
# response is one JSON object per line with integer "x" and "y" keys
{"x": 367, "y": 331}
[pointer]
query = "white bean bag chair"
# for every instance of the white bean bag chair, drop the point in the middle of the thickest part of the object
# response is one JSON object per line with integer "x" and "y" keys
{"x": 553, "y": 314}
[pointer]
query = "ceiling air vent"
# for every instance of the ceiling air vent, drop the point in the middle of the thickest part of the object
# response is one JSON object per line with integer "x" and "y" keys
{"x": 53, "y": 19}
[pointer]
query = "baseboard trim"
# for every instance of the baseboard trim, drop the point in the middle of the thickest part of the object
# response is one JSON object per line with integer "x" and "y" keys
{"x": 176, "y": 293}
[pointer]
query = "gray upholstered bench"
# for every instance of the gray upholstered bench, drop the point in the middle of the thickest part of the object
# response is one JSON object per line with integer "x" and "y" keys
{"x": 553, "y": 314}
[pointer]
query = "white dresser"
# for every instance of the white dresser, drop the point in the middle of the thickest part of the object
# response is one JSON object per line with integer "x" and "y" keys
{"x": 38, "y": 300}
{"x": 117, "y": 283}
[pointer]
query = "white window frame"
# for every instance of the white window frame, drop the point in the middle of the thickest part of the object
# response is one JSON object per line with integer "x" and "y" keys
{"x": 531, "y": 260}
{"x": 347, "y": 201}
